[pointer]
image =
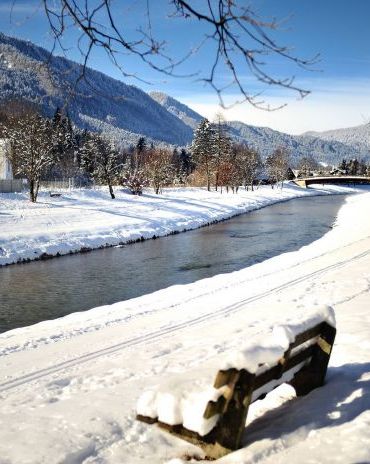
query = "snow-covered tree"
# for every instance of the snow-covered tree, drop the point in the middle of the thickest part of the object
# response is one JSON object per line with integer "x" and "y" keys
{"x": 31, "y": 147}
{"x": 203, "y": 149}
{"x": 101, "y": 158}
{"x": 222, "y": 146}
{"x": 134, "y": 180}
{"x": 64, "y": 145}
{"x": 249, "y": 163}
{"x": 183, "y": 165}
{"x": 159, "y": 168}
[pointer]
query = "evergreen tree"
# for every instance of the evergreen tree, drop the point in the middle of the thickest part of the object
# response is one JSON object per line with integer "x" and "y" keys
{"x": 203, "y": 149}
{"x": 222, "y": 144}
{"x": 101, "y": 160}
{"x": 64, "y": 145}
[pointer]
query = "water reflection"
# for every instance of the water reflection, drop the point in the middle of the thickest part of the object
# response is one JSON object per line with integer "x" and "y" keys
{"x": 48, "y": 289}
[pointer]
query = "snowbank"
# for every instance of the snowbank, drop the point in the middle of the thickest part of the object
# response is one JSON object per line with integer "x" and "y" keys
{"x": 68, "y": 387}
{"x": 82, "y": 220}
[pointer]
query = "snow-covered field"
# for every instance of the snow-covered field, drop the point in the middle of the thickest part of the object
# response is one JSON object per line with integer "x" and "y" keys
{"x": 69, "y": 387}
{"x": 83, "y": 219}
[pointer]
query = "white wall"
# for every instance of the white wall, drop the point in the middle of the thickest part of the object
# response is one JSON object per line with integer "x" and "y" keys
{"x": 5, "y": 166}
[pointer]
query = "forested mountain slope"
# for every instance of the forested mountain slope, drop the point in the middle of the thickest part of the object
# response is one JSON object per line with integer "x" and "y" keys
{"x": 358, "y": 136}
{"x": 101, "y": 103}
{"x": 28, "y": 72}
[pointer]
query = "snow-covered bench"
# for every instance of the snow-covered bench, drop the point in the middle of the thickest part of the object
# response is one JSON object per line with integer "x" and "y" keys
{"x": 214, "y": 417}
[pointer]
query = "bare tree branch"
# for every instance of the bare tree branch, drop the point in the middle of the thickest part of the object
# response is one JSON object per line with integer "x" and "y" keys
{"x": 242, "y": 42}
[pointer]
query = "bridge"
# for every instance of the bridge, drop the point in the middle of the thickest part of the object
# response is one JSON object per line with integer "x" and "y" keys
{"x": 349, "y": 180}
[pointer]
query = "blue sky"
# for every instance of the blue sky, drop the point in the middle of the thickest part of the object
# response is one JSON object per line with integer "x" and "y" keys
{"x": 336, "y": 29}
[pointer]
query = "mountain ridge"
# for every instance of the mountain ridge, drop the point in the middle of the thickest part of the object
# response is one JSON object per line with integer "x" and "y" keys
{"x": 358, "y": 136}
{"x": 127, "y": 112}
{"x": 23, "y": 74}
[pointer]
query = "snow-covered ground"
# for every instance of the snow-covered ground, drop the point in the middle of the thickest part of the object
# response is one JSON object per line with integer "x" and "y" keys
{"x": 69, "y": 387}
{"x": 83, "y": 219}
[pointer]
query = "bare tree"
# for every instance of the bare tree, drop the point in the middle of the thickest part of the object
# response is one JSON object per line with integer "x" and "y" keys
{"x": 249, "y": 163}
{"x": 240, "y": 41}
{"x": 159, "y": 168}
{"x": 31, "y": 147}
{"x": 277, "y": 165}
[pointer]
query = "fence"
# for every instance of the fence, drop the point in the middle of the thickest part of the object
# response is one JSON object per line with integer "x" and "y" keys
{"x": 11, "y": 185}
{"x": 19, "y": 185}
{"x": 60, "y": 184}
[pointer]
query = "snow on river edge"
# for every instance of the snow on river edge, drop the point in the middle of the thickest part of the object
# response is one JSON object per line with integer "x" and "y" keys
{"x": 69, "y": 387}
{"x": 88, "y": 219}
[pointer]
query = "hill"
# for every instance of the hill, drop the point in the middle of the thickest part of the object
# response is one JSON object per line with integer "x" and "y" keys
{"x": 102, "y": 103}
{"x": 97, "y": 99}
{"x": 265, "y": 140}
{"x": 358, "y": 136}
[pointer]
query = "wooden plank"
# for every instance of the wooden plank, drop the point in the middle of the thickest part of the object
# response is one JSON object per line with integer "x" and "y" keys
{"x": 226, "y": 377}
{"x": 228, "y": 431}
{"x": 146, "y": 419}
{"x": 307, "y": 335}
{"x": 214, "y": 407}
{"x": 277, "y": 371}
{"x": 324, "y": 345}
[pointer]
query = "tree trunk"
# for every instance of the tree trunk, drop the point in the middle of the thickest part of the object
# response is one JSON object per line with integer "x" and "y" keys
{"x": 111, "y": 192}
{"x": 37, "y": 188}
{"x": 32, "y": 191}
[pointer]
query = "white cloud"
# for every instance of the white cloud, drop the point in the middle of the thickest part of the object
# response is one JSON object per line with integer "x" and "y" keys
{"x": 334, "y": 103}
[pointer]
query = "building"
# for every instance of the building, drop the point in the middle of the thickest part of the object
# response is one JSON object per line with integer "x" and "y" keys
{"x": 6, "y": 172}
{"x": 7, "y": 182}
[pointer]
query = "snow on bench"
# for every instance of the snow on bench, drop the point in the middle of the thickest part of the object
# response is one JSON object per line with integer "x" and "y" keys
{"x": 210, "y": 410}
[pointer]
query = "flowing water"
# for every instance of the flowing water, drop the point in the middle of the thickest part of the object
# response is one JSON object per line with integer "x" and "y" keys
{"x": 42, "y": 290}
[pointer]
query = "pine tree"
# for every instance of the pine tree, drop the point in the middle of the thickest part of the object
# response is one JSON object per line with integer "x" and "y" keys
{"x": 203, "y": 149}
{"x": 101, "y": 160}
{"x": 222, "y": 144}
{"x": 64, "y": 145}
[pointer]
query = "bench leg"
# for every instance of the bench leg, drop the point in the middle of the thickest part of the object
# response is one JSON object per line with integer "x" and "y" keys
{"x": 313, "y": 375}
{"x": 228, "y": 433}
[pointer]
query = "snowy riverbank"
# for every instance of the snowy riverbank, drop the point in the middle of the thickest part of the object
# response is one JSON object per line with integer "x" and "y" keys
{"x": 87, "y": 219}
{"x": 69, "y": 387}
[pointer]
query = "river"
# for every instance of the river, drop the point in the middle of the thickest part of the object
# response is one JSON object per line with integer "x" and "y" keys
{"x": 42, "y": 290}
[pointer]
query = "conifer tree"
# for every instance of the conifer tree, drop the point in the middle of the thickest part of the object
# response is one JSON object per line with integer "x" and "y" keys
{"x": 203, "y": 149}
{"x": 222, "y": 144}
{"x": 101, "y": 160}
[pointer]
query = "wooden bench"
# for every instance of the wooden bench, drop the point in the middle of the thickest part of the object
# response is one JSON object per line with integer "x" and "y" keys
{"x": 303, "y": 366}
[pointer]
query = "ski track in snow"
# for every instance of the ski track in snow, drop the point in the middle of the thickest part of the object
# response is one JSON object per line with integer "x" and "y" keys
{"x": 69, "y": 386}
{"x": 158, "y": 334}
